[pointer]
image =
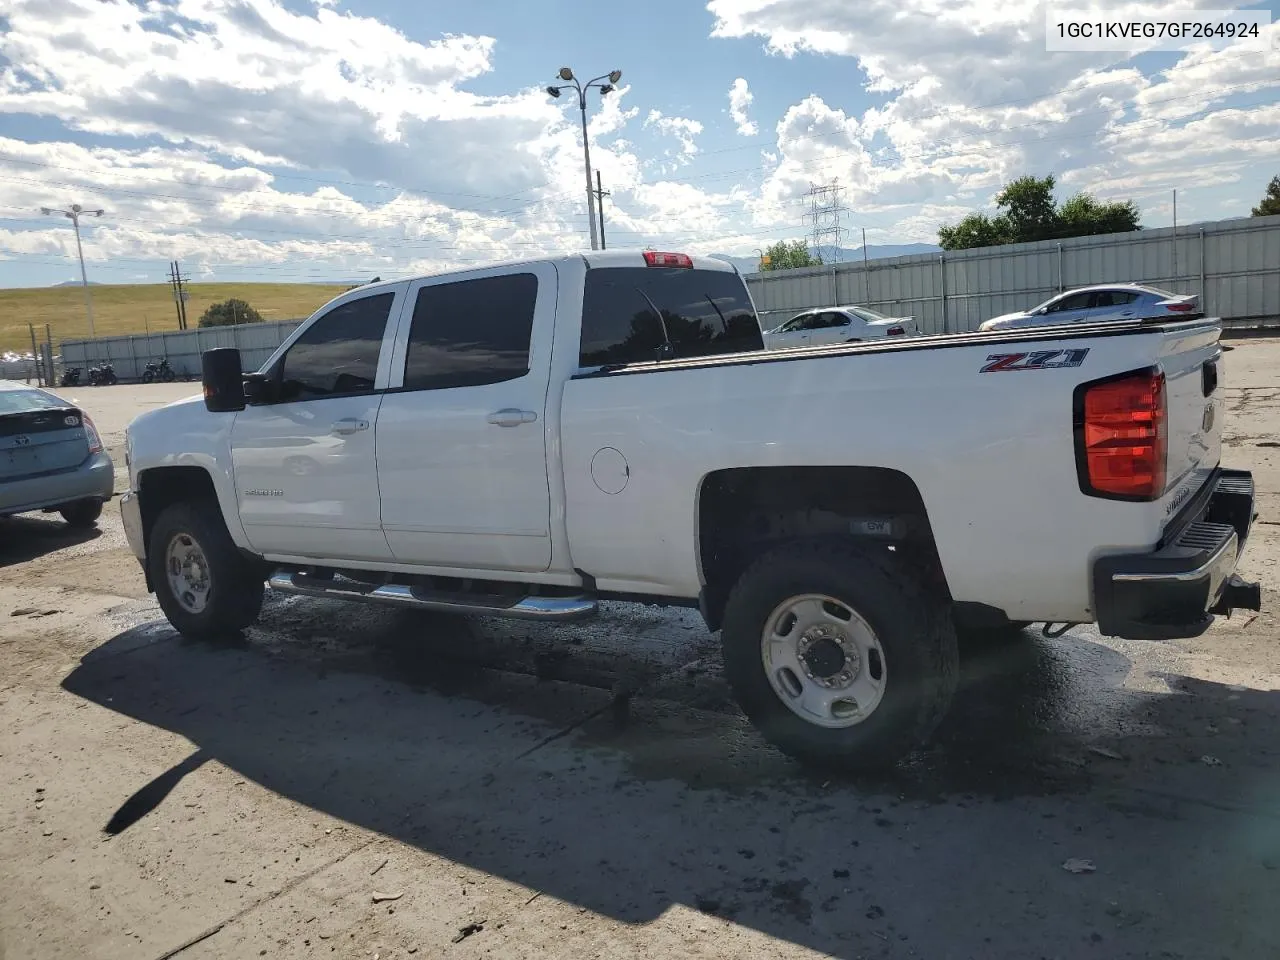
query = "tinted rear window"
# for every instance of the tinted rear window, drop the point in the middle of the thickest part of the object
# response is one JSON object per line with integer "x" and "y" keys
{"x": 705, "y": 312}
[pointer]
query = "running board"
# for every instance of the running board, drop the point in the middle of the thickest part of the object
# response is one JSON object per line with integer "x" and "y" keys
{"x": 489, "y": 605}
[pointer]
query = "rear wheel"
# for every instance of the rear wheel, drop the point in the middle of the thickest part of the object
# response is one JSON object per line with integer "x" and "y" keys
{"x": 205, "y": 587}
{"x": 82, "y": 513}
{"x": 148, "y": 376}
{"x": 838, "y": 656}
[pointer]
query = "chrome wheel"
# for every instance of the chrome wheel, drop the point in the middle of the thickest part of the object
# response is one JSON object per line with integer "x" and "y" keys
{"x": 188, "y": 573}
{"x": 823, "y": 661}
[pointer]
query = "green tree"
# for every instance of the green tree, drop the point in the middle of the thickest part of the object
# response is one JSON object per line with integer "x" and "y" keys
{"x": 1083, "y": 216}
{"x": 975, "y": 230}
{"x": 787, "y": 256}
{"x": 1027, "y": 203}
{"x": 229, "y": 312}
{"x": 1270, "y": 205}
{"x": 1027, "y": 212}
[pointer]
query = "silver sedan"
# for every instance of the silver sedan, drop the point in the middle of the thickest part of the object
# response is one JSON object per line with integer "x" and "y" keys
{"x": 51, "y": 457}
{"x": 1112, "y": 301}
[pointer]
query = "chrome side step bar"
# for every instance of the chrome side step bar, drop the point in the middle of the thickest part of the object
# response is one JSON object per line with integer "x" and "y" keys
{"x": 516, "y": 608}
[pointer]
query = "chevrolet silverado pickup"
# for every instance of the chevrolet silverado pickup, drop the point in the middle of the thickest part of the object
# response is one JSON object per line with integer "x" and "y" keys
{"x": 528, "y": 440}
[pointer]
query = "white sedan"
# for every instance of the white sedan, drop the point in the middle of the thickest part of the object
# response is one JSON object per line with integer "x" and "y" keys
{"x": 1113, "y": 301}
{"x": 837, "y": 325}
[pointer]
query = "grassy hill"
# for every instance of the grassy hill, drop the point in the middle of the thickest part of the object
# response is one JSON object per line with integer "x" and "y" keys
{"x": 131, "y": 308}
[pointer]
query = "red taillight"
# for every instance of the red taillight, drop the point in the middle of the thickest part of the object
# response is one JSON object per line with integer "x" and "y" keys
{"x": 1123, "y": 436}
{"x": 1180, "y": 307}
{"x": 91, "y": 434}
{"x": 895, "y": 332}
{"x": 655, "y": 259}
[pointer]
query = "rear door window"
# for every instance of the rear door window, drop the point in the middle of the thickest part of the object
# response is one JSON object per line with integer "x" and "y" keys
{"x": 471, "y": 332}
{"x": 629, "y": 312}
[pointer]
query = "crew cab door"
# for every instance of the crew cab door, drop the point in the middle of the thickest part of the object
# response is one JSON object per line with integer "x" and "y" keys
{"x": 461, "y": 442}
{"x": 305, "y": 478}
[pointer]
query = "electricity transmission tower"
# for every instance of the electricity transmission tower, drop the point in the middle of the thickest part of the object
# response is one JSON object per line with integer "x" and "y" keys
{"x": 825, "y": 210}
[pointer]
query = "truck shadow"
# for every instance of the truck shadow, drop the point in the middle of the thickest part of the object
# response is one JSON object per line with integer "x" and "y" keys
{"x": 535, "y": 781}
{"x": 30, "y": 536}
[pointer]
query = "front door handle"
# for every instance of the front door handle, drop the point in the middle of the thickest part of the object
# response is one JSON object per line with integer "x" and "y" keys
{"x": 511, "y": 417}
{"x": 348, "y": 426}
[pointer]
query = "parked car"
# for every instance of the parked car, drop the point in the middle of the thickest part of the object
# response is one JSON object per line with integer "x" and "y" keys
{"x": 1112, "y": 301}
{"x": 837, "y": 325}
{"x": 529, "y": 439}
{"x": 51, "y": 457}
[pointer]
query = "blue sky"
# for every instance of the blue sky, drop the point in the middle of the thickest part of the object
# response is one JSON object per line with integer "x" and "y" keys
{"x": 304, "y": 140}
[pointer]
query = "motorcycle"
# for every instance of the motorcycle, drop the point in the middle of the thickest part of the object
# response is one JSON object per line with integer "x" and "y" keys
{"x": 102, "y": 376}
{"x": 159, "y": 370}
{"x": 70, "y": 377}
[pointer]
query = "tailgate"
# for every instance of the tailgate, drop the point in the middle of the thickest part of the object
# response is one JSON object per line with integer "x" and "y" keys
{"x": 35, "y": 442}
{"x": 1191, "y": 360}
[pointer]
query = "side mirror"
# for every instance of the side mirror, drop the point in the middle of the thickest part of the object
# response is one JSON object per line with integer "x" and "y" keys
{"x": 223, "y": 380}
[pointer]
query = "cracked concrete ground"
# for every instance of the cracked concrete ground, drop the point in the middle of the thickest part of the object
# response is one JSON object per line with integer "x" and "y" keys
{"x": 354, "y": 782}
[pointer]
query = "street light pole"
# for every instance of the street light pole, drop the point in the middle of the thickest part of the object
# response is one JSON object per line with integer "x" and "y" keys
{"x": 74, "y": 216}
{"x": 586, "y": 156}
{"x": 566, "y": 75}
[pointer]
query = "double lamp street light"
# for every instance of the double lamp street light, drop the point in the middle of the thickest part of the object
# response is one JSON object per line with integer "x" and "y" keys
{"x": 606, "y": 84}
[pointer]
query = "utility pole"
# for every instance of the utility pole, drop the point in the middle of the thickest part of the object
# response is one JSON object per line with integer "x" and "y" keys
{"x": 866, "y": 270}
{"x": 176, "y": 279}
{"x": 601, "y": 193}
{"x": 74, "y": 215}
{"x": 1175, "y": 235}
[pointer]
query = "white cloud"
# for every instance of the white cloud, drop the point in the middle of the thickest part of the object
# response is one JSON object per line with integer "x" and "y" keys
{"x": 682, "y": 128}
{"x": 740, "y": 97}
{"x": 973, "y": 99}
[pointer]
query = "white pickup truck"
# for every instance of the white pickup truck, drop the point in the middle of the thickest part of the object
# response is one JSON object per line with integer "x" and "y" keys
{"x": 527, "y": 440}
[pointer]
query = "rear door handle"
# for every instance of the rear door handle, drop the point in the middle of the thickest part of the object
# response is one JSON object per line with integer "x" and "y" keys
{"x": 511, "y": 417}
{"x": 348, "y": 426}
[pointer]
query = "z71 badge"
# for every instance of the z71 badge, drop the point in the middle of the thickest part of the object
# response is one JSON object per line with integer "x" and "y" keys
{"x": 1034, "y": 360}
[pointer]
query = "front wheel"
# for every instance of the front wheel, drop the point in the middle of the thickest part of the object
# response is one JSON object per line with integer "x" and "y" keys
{"x": 168, "y": 376}
{"x": 204, "y": 585}
{"x": 838, "y": 656}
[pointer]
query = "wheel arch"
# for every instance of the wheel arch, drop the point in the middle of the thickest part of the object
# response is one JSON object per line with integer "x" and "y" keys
{"x": 745, "y": 511}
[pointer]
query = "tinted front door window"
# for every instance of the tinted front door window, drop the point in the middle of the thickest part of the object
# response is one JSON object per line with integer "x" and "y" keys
{"x": 338, "y": 354}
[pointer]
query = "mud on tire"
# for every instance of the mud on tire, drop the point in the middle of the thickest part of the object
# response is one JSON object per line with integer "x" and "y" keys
{"x": 911, "y": 624}
{"x": 189, "y": 547}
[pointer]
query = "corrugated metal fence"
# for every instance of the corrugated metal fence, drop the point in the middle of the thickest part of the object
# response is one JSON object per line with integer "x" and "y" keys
{"x": 130, "y": 355}
{"x": 1234, "y": 265}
